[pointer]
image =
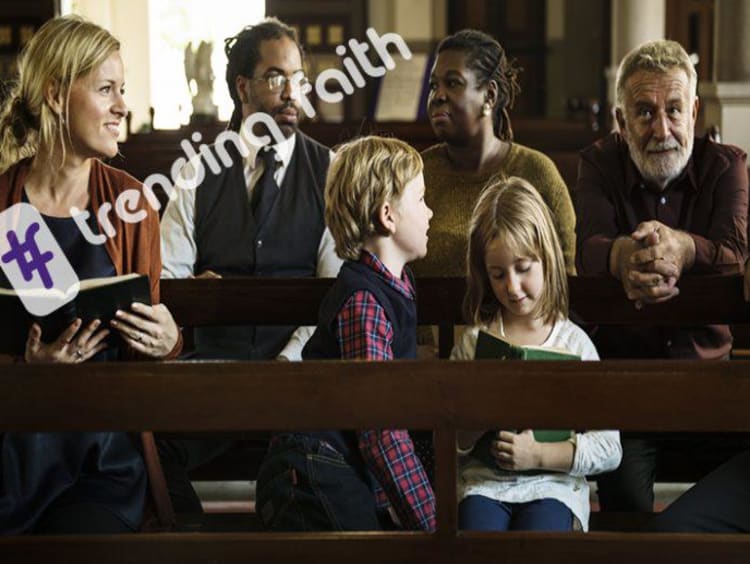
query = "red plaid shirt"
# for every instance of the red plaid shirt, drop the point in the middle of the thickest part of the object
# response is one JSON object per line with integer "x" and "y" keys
{"x": 364, "y": 332}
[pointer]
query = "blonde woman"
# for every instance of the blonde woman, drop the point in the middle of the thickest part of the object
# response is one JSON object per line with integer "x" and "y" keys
{"x": 62, "y": 117}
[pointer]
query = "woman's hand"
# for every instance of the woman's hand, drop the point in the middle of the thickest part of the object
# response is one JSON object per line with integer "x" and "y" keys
{"x": 72, "y": 346}
{"x": 516, "y": 451}
{"x": 150, "y": 330}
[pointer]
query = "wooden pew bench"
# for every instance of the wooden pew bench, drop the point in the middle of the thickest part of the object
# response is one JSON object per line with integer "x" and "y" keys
{"x": 593, "y": 301}
{"x": 229, "y": 397}
{"x": 144, "y": 154}
{"x": 295, "y": 302}
{"x": 442, "y": 396}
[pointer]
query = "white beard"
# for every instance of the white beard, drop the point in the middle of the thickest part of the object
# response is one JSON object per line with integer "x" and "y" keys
{"x": 662, "y": 168}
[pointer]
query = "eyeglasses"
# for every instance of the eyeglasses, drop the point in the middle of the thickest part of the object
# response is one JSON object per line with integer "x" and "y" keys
{"x": 277, "y": 82}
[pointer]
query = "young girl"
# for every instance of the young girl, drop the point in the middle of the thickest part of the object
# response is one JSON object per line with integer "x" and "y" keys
{"x": 517, "y": 289}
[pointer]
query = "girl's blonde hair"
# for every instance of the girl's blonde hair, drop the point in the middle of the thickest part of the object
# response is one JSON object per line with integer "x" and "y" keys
{"x": 363, "y": 175}
{"x": 512, "y": 211}
{"x": 61, "y": 51}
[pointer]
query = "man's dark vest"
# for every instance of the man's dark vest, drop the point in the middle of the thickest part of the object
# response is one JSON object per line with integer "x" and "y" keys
{"x": 400, "y": 311}
{"x": 285, "y": 244}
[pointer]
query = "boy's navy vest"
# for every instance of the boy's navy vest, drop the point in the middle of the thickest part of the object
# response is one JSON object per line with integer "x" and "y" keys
{"x": 401, "y": 313}
{"x": 285, "y": 244}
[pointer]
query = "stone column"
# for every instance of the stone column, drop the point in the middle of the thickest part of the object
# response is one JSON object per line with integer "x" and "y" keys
{"x": 726, "y": 100}
{"x": 633, "y": 22}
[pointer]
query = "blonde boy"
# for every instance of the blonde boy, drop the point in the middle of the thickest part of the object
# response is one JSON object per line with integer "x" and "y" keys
{"x": 377, "y": 215}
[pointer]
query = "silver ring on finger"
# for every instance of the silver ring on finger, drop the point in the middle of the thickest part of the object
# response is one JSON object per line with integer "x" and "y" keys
{"x": 79, "y": 353}
{"x": 138, "y": 337}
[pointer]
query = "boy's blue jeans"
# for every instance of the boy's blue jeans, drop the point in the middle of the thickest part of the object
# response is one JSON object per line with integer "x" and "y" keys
{"x": 305, "y": 485}
{"x": 479, "y": 513}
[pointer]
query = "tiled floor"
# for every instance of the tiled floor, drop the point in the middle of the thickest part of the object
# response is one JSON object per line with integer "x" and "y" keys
{"x": 226, "y": 497}
{"x": 231, "y": 497}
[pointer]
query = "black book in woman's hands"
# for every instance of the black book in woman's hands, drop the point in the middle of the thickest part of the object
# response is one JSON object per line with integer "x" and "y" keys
{"x": 98, "y": 298}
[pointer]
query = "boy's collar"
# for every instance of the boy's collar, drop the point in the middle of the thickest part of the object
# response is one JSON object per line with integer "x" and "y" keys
{"x": 402, "y": 284}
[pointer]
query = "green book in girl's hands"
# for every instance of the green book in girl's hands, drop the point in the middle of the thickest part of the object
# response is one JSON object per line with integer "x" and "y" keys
{"x": 492, "y": 346}
{"x": 481, "y": 450}
{"x": 551, "y": 436}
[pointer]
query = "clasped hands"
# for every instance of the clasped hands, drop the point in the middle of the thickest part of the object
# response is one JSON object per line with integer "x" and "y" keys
{"x": 650, "y": 261}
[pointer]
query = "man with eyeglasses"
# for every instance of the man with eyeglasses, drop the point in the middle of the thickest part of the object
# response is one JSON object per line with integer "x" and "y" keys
{"x": 245, "y": 221}
{"x": 261, "y": 216}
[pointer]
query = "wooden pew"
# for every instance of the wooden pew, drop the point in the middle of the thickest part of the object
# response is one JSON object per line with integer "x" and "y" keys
{"x": 434, "y": 395}
{"x": 205, "y": 302}
{"x": 593, "y": 300}
{"x": 192, "y": 397}
{"x": 147, "y": 153}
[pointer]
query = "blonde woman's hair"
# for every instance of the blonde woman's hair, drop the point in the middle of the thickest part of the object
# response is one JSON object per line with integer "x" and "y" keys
{"x": 363, "y": 175}
{"x": 513, "y": 212}
{"x": 662, "y": 55}
{"x": 61, "y": 51}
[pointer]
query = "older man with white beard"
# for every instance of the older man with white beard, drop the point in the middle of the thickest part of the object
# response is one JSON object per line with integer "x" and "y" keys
{"x": 653, "y": 203}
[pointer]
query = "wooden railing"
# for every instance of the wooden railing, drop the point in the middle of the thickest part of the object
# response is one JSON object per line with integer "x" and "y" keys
{"x": 144, "y": 154}
{"x": 594, "y": 300}
{"x": 443, "y": 396}
{"x": 265, "y": 301}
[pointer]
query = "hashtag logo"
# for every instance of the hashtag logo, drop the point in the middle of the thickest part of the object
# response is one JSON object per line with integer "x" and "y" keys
{"x": 38, "y": 260}
{"x": 33, "y": 261}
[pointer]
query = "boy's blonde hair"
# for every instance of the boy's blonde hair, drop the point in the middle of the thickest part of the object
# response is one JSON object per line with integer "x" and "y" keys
{"x": 512, "y": 211}
{"x": 363, "y": 175}
{"x": 61, "y": 51}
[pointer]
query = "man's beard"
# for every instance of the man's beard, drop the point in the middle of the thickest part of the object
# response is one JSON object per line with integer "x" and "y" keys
{"x": 661, "y": 168}
{"x": 288, "y": 129}
{"x": 260, "y": 129}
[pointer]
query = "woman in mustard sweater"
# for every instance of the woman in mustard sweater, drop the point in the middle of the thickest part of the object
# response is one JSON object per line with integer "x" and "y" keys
{"x": 472, "y": 89}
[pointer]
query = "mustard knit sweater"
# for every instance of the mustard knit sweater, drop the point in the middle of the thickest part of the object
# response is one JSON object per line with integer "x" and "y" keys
{"x": 452, "y": 195}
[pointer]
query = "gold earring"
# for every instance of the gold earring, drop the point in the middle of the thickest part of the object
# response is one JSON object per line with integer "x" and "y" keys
{"x": 486, "y": 109}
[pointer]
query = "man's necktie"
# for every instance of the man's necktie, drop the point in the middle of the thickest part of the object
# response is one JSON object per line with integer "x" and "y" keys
{"x": 266, "y": 190}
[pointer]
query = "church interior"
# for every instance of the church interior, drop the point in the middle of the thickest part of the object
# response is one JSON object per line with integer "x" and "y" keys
{"x": 369, "y": 63}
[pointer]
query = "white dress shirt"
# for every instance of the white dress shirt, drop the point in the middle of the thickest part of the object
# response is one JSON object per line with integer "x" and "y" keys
{"x": 179, "y": 250}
